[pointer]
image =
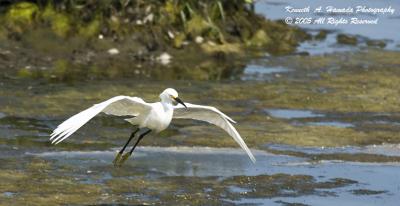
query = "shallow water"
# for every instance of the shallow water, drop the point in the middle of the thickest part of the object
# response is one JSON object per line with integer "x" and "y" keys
{"x": 352, "y": 182}
{"x": 261, "y": 73}
{"x": 386, "y": 29}
{"x": 311, "y": 156}
{"x": 292, "y": 113}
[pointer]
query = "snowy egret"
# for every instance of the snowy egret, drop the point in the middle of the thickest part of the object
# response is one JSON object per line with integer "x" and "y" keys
{"x": 149, "y": 117}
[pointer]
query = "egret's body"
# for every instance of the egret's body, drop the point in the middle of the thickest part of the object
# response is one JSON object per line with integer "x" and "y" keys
{"x": 156, "y": 117}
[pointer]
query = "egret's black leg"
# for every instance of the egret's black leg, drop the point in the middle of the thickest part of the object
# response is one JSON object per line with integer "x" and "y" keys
{"x": 140, "y": 138}
{"x": 126, "y": 155}
{"x": 129, "y": 140}
{"x": 118, "y": 157}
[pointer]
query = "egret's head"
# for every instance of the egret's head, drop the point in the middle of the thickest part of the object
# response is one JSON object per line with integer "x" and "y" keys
{"x": 171, "y": 95}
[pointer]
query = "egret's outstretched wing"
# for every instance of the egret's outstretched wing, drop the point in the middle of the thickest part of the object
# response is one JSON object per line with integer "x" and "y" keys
{"x": 119, "y": 106}
{"x": 214, "y": 116}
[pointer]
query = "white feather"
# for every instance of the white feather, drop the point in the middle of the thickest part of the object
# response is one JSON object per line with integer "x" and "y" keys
{"x": 214, "y": 116}
{"x": 119, "y": 106}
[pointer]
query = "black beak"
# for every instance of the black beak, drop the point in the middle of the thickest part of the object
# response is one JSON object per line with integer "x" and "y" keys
{"x": 180, "y": 102}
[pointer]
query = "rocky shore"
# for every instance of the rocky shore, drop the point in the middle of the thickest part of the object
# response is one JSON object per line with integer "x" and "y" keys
{"x": 62, "y": 41}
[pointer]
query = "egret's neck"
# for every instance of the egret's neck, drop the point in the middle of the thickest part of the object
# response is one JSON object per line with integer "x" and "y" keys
{"x": 167, "y": 104}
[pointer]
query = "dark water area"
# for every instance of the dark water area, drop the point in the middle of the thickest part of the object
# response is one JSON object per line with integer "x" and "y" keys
{"x": 324, "y": 129}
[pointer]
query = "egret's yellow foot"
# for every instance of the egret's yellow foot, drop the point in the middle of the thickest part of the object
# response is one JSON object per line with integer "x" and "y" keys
{"x": 124, "y": 158}
{"x": 117, "y": 159}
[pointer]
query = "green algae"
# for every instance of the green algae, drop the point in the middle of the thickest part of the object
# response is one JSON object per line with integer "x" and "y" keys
{"x": 376, "y": 43}
{"x": 35, "y": 185}
{"x": 220, "y": 22}
{"x": 91, "y": 29}
{"x": 321, "y": 35}
{"x": 60, "y": 22}
{"x": 197, "y": 26}
{"x": 260, "y": 38}
{"x": 353, "y": 157}
{"x": 346, "y": 39}
{"x": 367, "y": 192}
{"x": 283, "y": 185}
{"x": 190, "y": 190}
{"x": 21, "y": 14}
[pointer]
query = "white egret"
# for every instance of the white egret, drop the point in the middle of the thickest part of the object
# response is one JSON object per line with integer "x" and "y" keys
{"x": 149, "y": 116}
